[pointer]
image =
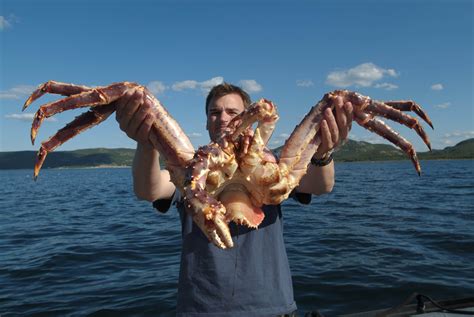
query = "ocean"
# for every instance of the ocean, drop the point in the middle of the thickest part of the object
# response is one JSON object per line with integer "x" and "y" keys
{"x": 78, "y": 243}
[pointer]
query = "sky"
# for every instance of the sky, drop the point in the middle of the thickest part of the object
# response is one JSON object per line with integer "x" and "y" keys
{"x": 291, "y": 52}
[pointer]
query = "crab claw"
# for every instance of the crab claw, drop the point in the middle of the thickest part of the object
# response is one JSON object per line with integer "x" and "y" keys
{"x": 212, "y": 223}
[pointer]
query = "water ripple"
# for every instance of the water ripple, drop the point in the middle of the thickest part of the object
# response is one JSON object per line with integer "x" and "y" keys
{"x": 82, "y": 245}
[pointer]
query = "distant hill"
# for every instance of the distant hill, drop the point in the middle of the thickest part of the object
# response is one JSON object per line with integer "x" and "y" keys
{"x": 462, "y": 150}
{"x": 78, "y": 158}
{"x": 354, "y": 151}
{"x": 351, "y": 151}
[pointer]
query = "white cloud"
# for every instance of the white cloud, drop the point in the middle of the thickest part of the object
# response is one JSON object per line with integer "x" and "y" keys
{"x": 156, "y": 87}
{"x": 386, "y": 86}
{"x": 17, "y": 92}
{"x": 363, "y": 75}
{"x": 193, "y": 135}
{"x": 275, "y": 142}
{"x": 444, "y": 105}
{"x": 278, "y": 140}
{"x": 437, "y": 87}
{"x": 370, "y": 138}
{"x": 26, "y": 117}
{"x": 7, "y": 22}
{"x": 204, "y": 86}
{"x": 454, "y": 137}
{"x": 304, "y": 83}
{"x": 4, "y": 23}
{"x": 185, "y": 84}
{"x": 459, "y": 134}
{"x": 250, "y": 85}
{"x": 208, "y": 84}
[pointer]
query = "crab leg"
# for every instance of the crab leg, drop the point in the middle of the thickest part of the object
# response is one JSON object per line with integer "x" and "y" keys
{"x": 301, "y": 137}
{"x": 382, "y": 129}
{"x": 166, "y": 135}
{"x": 263, "y": 112}
{"x": 208, "y": 212}
{"x": 408, "y": 105}
{"x": 282, "y": 189}
{"x": 392, "y": 113}
{"x": 93, "y": 97}
{"x": 79, "y": 124}
{"x": 54, "y": 87}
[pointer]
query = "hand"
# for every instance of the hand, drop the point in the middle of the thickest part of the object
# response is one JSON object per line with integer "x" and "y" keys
{"x": 134, "y": 115}
{"x": 334, "y": 130}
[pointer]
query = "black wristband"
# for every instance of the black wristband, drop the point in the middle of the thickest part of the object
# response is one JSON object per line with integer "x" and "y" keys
{"x": 325, "y": 160}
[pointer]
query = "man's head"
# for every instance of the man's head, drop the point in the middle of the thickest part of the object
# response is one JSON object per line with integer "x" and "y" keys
{"x": 224, "y": 102}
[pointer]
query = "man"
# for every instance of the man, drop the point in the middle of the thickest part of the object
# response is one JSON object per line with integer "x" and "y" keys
{"x": 252, "y": 278}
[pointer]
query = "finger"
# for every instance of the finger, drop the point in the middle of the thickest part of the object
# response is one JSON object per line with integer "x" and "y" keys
{"x": 325, "y": 139}
{"x": 341, "y": 118}
{"x": 348, "y": 108}
{"x": 246, "y": 138}
{"x": 138, "y": 118}
{"x": 129, "y": 110}
{"x": 223, "y": 231}
{"x": 349, "y": 115}
{"x": 144, "y": 130}
{"x": 121, "y": 104}
{"x": 332, "y": 125}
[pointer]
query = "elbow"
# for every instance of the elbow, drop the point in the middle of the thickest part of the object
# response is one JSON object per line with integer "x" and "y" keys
{"x": 329, "y": 187}
{"x": 325, "y": 188}
{"x": 143, "y": 195}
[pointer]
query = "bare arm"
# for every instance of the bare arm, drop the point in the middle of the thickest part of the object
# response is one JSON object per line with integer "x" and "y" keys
{"x": 333, "y": 131}
{"x": 318, "y": 180}
{"x": 150, "y": 182}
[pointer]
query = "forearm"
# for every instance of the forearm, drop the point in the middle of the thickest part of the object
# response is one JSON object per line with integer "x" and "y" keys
{"x": 318, "y": 180}
{"x": 149, "y": 181}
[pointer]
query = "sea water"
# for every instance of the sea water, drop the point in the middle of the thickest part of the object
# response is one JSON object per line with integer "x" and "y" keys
{"x": 77, "y": 242}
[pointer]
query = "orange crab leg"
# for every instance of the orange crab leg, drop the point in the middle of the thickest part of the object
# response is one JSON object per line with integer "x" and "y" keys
{"x": 408, "y": 105}
{"x": 89, "y": 98}
{"x": 54, "y": 87}
{"x": 302, "y": 136}
{"x": 389, "y": 112}
{"x": 263, "y": 111}
{"x": 79, "y": 124}
{"x": 252, "y": 147}
{"x": 166, "y": 135}
{"x": 382, "y": 129}
{"x": 213, "y": 221}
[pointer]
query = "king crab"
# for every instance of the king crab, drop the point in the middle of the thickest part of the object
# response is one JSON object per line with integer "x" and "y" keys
{"x": 230, "y": 179}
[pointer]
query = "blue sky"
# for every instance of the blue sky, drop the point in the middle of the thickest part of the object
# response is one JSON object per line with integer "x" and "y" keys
{"x": 291, "y": 52}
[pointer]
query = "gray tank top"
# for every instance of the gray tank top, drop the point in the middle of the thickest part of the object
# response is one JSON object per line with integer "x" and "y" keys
{"x": 251, "y": 279}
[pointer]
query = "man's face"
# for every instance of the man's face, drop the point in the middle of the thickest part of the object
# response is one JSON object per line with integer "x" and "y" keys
{"x": 221, "y": 111}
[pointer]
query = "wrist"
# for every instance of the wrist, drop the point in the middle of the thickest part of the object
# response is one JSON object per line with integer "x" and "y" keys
{"x": 145, "y": 147}
{"x": 324, "y": 160}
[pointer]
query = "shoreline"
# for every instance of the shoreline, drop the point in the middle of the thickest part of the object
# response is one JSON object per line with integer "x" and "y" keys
{"x": 129, "y": 166}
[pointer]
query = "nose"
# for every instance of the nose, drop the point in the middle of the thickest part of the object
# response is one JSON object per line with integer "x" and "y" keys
{"x": 223, "y": 117}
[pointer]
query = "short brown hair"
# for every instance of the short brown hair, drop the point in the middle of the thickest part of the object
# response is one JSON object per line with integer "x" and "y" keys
{"x": 226, "y": 89}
